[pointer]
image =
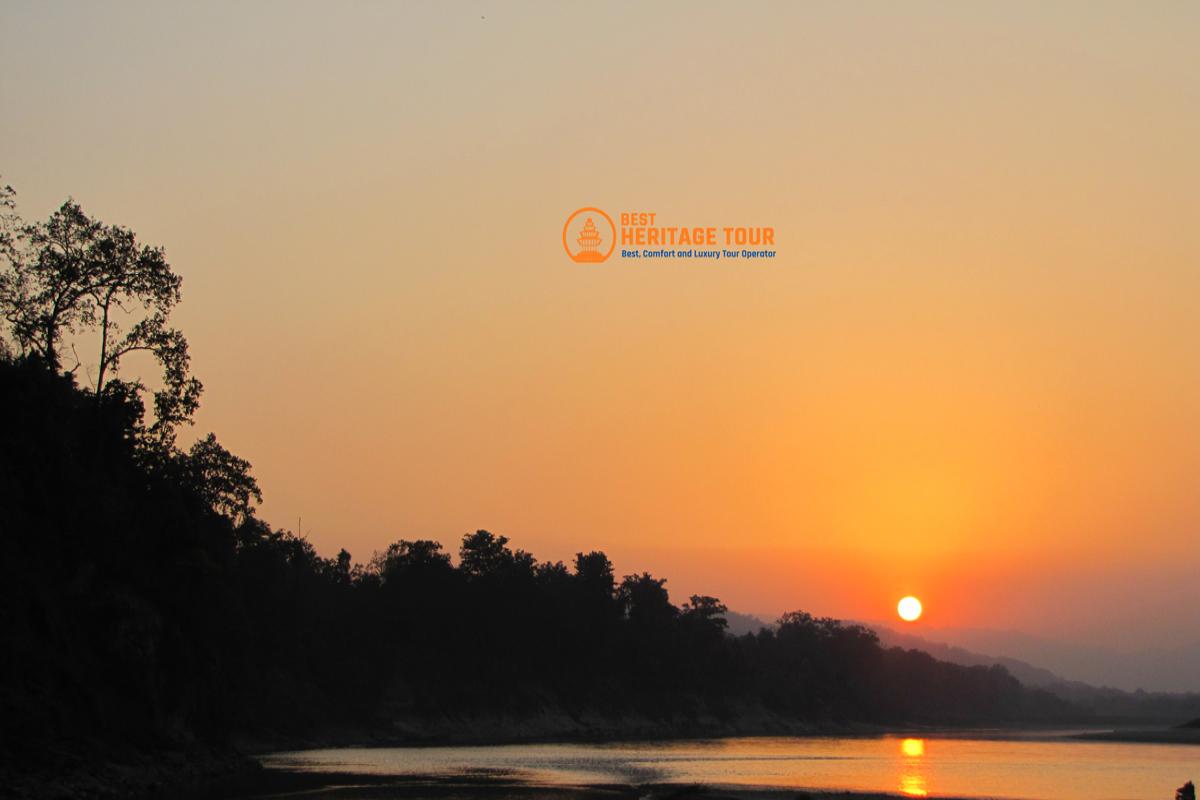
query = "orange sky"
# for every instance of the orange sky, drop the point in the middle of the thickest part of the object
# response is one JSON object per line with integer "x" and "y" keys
{"x": 970, "y": 374}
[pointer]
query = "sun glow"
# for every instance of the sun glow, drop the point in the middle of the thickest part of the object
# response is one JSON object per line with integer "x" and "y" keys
{"x": 912, "y": 775}
{"x": 909, "y": 609}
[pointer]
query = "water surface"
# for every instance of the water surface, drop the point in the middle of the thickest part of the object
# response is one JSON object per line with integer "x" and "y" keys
{"x": 1034, "y": 767}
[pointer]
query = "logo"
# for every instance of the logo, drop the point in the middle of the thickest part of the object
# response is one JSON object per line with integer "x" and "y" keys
{"x": 589, "y": 236}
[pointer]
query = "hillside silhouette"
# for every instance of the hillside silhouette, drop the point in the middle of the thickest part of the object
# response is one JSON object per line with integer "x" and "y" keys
{"x": 143, "y": 611}
{"x": 146, "y": 607}
{"x": 1100, "y": 703}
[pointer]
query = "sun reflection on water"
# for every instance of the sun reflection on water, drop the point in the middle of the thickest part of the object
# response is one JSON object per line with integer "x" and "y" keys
{"x": 912, "y": 771}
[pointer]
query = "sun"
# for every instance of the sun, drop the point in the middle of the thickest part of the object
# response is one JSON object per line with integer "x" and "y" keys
{"x": 909, "y": 609}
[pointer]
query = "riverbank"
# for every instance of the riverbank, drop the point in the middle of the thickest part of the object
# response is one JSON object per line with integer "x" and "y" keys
{"x": 100, "y": 771}
{"x": 546, "y": 727}
{"x": 271, "y": 784}
{"x": 209, "y": 773}
{"x": 129, "y": 775}
{"x": 1145, "y": 736}
{"x": 553, "y": 726}
{"x": 1029, "y": 764}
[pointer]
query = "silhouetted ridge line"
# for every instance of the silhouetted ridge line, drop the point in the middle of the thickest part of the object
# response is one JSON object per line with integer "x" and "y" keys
{"x": 146, "y": 606}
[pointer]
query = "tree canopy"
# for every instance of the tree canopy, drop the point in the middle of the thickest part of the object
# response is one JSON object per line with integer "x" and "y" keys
{"x": 148, "y": 603}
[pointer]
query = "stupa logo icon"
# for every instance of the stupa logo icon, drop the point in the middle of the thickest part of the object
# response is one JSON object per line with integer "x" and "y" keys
{"x": 589, "y": 236}
{"x": 589, "y": 243}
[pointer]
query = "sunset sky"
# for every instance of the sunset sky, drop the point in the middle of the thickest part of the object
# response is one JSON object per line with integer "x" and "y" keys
{"x": 972, "y": 373}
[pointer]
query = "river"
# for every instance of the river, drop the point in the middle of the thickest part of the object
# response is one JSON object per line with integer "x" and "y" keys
{"x": 1034, "y": 766}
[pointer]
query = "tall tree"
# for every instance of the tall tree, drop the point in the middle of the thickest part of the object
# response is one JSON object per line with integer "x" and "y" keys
{"x": 10, "y": 251}
{"x": 73, "y": 274}
{"x": 221, "y": 479}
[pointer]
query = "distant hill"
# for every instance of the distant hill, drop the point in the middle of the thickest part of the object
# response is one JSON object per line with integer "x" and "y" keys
{"x": 1104, "y": 702}
{"x": 1174, "y": 669}
{"x": 741, "y": 624}
{"x": 1168, "y": 669}
{"x": 1026, "y": 673}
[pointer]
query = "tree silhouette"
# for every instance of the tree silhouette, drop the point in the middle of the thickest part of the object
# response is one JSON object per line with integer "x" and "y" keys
{"x": 74, "y": 275}
{"x": 483, "y": 554}
{"x": 707, "y": 612}
{"x": 150, "y": 608}
{"x": 219, "y": 477}
{"x": 595, "y": 572}
{"x": 645, "y": 601}
{"x": 405, "y": 556}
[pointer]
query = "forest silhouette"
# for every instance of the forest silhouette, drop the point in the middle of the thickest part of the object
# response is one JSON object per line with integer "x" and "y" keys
{"x": 146, "y": 605}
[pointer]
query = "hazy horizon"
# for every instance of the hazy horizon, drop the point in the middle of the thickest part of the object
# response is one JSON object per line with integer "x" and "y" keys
{"x": 970, "y": 374}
